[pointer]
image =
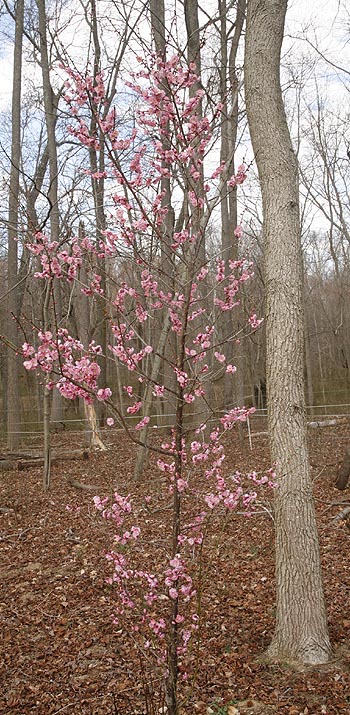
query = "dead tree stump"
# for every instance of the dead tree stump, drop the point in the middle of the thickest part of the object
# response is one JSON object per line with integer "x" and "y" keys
{"x": 344, "y": 472}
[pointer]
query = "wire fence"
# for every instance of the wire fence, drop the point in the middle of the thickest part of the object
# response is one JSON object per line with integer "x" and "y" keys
{"x": 31, "y": 430}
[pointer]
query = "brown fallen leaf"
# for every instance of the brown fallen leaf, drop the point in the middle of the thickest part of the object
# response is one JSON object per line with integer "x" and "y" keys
{"x": 232, "y": 710}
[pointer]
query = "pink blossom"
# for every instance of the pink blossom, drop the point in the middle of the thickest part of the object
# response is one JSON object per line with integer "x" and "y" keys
{"x": 212, "y": 500}
{"x": 218, "y": 170}
{"x": 179, "y": 619}
{"x": 202, "y": 273}
{"x": 110, "y": 421}
{"x": 158, "y": 390}
{"x": 220, "y": 274}
{"x": 181, "y": 377}
{"x": 27, "y": 350}
{"x": 195, "y": 447}
{"x": 168, "y": 467}
{"x": 238, "y": 178}
{"x": 133, "y": 409}
{"x": 142, "y": 423}
{"x": 220, "y": 357}
{"x": 254, "y": 321}
{"x": 104, "y": 394}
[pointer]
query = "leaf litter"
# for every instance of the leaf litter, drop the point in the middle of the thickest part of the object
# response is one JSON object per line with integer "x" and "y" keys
{"x": 60, "y": 651}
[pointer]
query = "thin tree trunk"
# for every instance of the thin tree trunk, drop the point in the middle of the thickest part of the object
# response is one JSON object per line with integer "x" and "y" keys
{"x": 97, "y": 164}
{"x": 166, "y": 230}
{"x": 95, "y": 441}
{"x": 301, "y": 632}
{"x": 148, "y": 398}
{"x": 228, "y": 204}
{"x": 194, "y": 58}
{"x": 13, "y": 395}
{"x": 47, "y": 402}
{"x": 308, "y": 366}
{"x": 50, "y": 119}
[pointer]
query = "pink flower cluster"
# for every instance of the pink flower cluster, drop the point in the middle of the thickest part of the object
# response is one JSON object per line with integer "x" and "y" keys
{"x": 73, "y": 371}
{"x": 56, "y": 262}
{"x": 239, "y": 177}
{"x": 138, "y": 591}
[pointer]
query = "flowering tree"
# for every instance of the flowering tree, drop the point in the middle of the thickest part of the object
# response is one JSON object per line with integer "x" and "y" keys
{"x": 182, "y": 295}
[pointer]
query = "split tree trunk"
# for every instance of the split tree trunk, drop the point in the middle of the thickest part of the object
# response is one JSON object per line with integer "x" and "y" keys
{"x": 13, "y": 396}
{"x": 229, "y": 322}
{"x": 54, "y": 315}
{"x": 301, "y": 632}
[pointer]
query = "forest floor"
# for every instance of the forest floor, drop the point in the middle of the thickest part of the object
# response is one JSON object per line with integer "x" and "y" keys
{"x": 59, "y": 649}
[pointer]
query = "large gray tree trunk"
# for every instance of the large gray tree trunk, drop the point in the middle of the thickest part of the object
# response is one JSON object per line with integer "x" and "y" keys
{"x": 301, "y": 625}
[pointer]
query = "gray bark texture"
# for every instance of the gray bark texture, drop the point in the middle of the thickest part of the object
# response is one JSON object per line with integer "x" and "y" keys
{"x": 233, "y": 391}
{"x": 13, "y": 396}
{"x": 50, "y": 107}
{"x": 97, "y": 163}
{"x": 301, "y": 632}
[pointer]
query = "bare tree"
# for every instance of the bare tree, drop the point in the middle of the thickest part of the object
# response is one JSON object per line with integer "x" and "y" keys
{"x": 230, "y": 35}
{"x": 13, "y": 395}
{"x": 53, "y": 288}
{"x": 301, "y": 624}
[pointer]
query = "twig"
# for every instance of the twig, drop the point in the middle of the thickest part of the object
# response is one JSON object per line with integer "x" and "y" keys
{"x": 65, "y": 707}
{"x": 116, "y": 711}
{"x": 333, "y": 503}
{"x": 342, "y": 515}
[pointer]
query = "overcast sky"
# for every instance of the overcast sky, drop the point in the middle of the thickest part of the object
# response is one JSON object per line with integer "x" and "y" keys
{"x": 322, "y": 22}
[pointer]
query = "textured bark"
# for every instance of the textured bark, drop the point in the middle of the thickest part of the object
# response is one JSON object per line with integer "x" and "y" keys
{"x": 97, "y": 164}
{"x": 13, "y": 396}
{"x": 194, "y": 58}
{"x": 46, "y": 403}
{"x": 344, "y": 472}
{"x": 228, "y": 204}
{"x": 301, "y": 625}
{"x": 157, "y": 11}
{"x": 142, "y": 451}
{"x": 95, "y": 440}
{"x": 50, "y": 107}
{"x": 308, "y": 370}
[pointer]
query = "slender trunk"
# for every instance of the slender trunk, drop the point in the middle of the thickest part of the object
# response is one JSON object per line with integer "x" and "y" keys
{"x": 194, "y": 58}
{"x": 50, "y": 119}
{"x": 228, "y": 204}
{"x": 148, "y": 398}
{"x": 97, "y": 165}
{"x": 95, "y": 441}
{"x": 321, "y": 384}
{"x": 166, "y": 230}
{"x": 301, "y": 632}
{"x": 47, "y": 400}
{"x": 13, "y": 394}
{"x": 308, "y": 367}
